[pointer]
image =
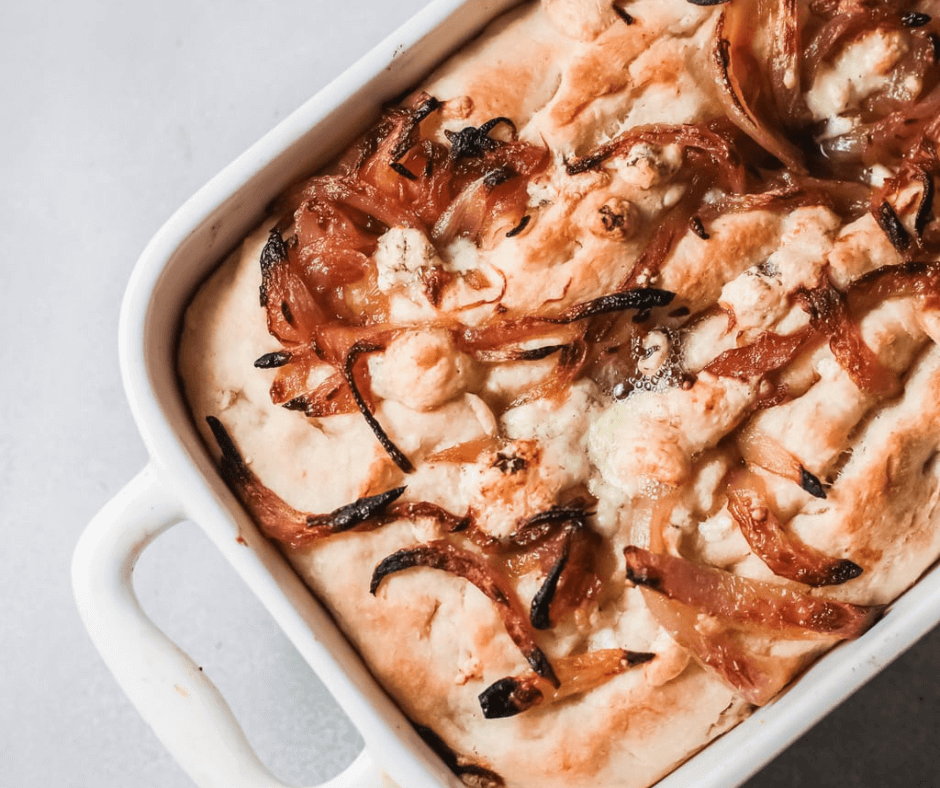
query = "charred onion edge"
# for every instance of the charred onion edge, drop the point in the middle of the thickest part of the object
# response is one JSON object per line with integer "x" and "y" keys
{"x": 915, "y": 19}
{"x": 623, "y": 14}
{"x": 508, "y": 697}
{"x": 449, "y": 558}
{"x": 523, "y": 223}
{"x": 532, "y": 529}
{"x": 273, "y": 360}
{"x": 708, "y": 2}
{"x": 513, "y": 695}
{"x": 639, "y": 298}
{"x": 538, "y": 353}
{"x": 405, "y": 143}
{"x": 811, "y": 483}
{"x": 398, "y": 457}
{"x": 273, "y": 252}
{"x": 698, "y": 228}
{"x": 893, "y": 227}
{"x": 542, "y": 601}
{"x": 828, "y": 312}
{"x": 784, "y": 554}
{"x": 474, "y": 141}
{"x": 925, "y": 207}
{"x": 352, "y": 514}
{"x": 233, "y": 466}
{"x": 277, "y": 519}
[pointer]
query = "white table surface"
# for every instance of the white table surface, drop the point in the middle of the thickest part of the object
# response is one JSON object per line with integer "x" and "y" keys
{"x": 113, "y": 113}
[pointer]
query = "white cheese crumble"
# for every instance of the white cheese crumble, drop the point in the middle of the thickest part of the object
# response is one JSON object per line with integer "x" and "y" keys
{"x": 401, "y": 255}
{"x": 862, "y": 68}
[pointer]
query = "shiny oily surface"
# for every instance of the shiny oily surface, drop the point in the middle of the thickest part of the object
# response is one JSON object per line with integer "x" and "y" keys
{"x": 118, "y": 115}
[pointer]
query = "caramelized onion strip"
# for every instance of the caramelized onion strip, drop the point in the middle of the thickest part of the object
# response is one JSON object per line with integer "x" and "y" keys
{"x": 783, "y": 552}
{"x": 733, "y": 33}
{"x": 764, "y": 451}
{"x": 397, "y": 455}
{"x": 276, "y": 518}
{"x": 571, "y": 580}
{"x": 475, "y": 569}
{"x": 768, "y": 353}
{"x": 640, "y": 298}
{"x": 707, "y": 146}
{"x": 718, "y": 649}
{"x": 578, "y": 674}
{"x": 827, "y": 310}
{"x": 908, "y": 280}
{"x": 746, "y": 603}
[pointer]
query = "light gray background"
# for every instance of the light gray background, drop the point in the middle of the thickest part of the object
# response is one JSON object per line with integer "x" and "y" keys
{"x": 111, "y": 115}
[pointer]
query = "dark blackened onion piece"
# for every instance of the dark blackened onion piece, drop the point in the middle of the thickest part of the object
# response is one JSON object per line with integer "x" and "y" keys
{"x": 889, "y": 221}
{"x": 915, "y": 19}
{"x": 283, "y": 523}
{"x": 578, "y": 673}
{"x": 398, "y": 457}
{"x": 475, "y": 569}
{"x": 925, "y": 207}
{"x": 516, "y": 354}
{"x": 274, "y": 252}
{"x": 352, "y": 514}
{"x": 811, "y": 484}
{"x": 533, "y": 529}
{"x": 287, "y": 314}
{"x": 934, "y": 40}
{"x": 623, "y": 14}
{"x": 273, "y": 360}
{"x": 640, "y": 298}
{"x": 402, "y": 170}
{"x": 406, "y": 138}
{"x": 523, "y": 223}
{"x": 708, "y": 2}
{"x": 508, "y": 697}
{"x": 431, "y": 104}
{"x": 698, "y": 228}
{"x": 498, "y": 176}
{"x": 473, "y": 142}
{"x": 703, "y": 147}
{"x": 541, "y": 602}
{"x": 538, "y": 353}
{"x": 277, "y": 519}
{"x": 233, "y": 466}
{"x": 557, "y": 514}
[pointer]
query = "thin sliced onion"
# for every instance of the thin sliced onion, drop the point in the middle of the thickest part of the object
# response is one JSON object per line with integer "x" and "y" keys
{"x": 756, "y": 677}
{"x": 782, "y": 551}
{"x": 745, "y": 603}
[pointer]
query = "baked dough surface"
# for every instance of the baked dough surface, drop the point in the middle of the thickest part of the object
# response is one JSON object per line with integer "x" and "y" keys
{"x": 660, "y": 432}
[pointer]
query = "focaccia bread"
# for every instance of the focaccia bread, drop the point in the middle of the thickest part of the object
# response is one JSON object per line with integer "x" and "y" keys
{"x": 595, "y": 390}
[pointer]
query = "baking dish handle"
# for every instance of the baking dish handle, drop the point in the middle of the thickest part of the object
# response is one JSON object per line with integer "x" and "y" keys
{"x": 171, "y": 692}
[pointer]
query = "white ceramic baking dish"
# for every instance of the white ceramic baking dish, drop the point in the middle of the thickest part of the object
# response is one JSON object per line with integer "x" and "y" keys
{"x": 170, "y": 691}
